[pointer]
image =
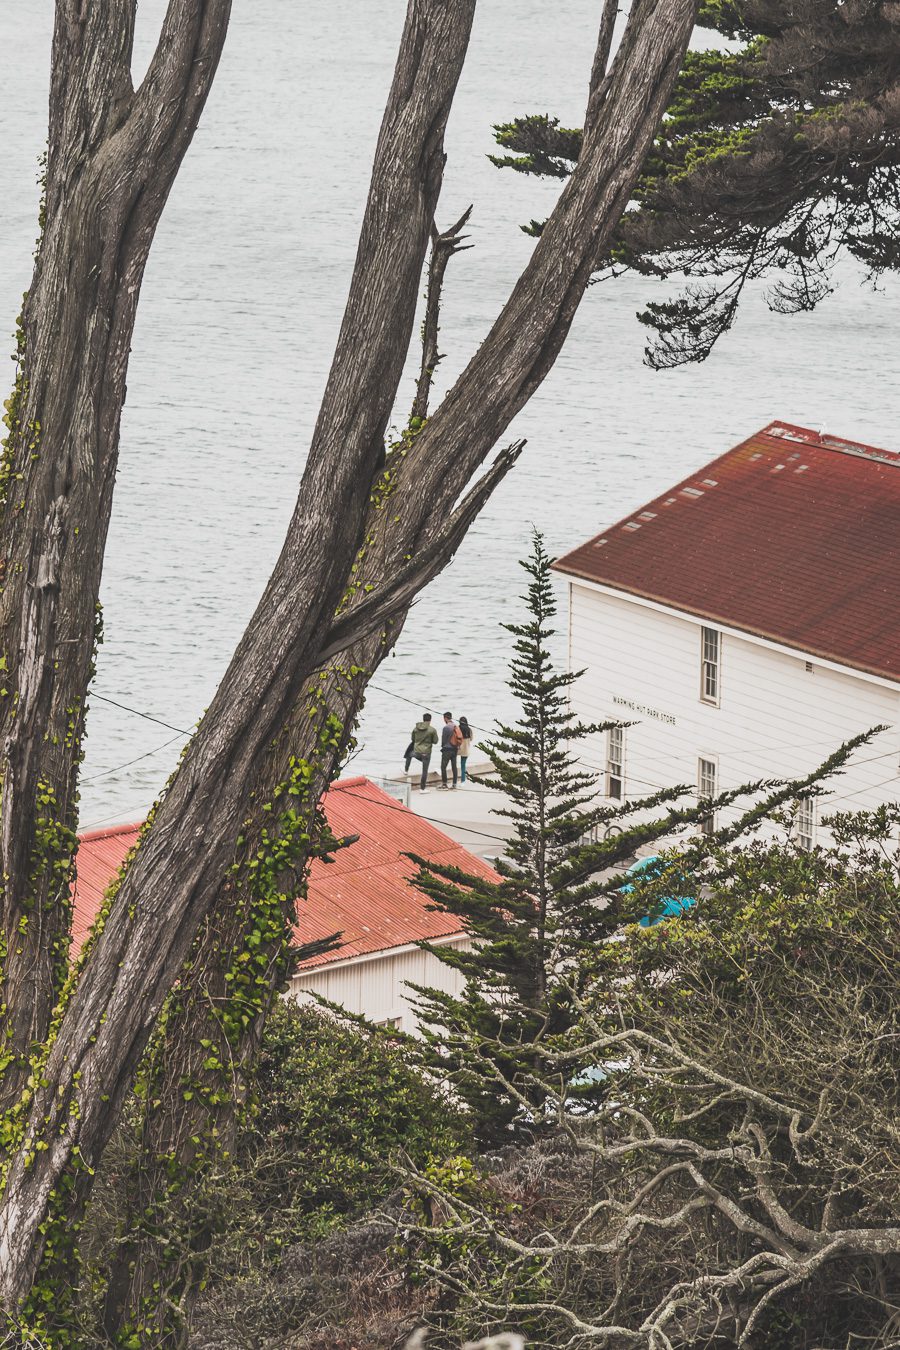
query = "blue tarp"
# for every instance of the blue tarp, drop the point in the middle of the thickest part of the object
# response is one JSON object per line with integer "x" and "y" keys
{"x": 669, "y": 906}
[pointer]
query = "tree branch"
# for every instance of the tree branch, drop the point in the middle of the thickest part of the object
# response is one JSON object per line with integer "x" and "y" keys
{"x": 443, "y": 247}
{"x": 398, "y": 593}
{"x": 139, "y": 954}
{"x": 526, "y": 337}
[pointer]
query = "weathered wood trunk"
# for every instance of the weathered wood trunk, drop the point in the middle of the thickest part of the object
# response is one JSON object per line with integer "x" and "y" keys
{"x": 244, "y": 954}
{"x": 348, "y": 445}
{"x": 176, "y": 877}
{"x": 200, "y": 1072}
{"x": 112, "y": 156}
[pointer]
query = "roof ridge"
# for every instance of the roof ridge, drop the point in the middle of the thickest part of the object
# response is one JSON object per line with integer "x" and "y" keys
{"x": 822, "y": 440}
{"x": 340, "y": 783}
{"x": 89, "y": 836}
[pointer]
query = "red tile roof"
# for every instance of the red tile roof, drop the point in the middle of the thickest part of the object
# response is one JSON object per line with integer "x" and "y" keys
{"x": 364, "y": 894}
{"x": 791, "y": 536}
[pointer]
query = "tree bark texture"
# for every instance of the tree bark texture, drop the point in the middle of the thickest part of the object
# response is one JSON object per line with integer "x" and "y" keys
{"x": 337, "y": 582}
{"x": 196, "y": 1081}
{"x": 242, "y": 956}
{"x": 312, "y": 573}
{"x": 112, "y": 156}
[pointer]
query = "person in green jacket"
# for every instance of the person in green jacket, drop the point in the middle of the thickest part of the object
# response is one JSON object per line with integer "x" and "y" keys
{"x": 423, "y": 738}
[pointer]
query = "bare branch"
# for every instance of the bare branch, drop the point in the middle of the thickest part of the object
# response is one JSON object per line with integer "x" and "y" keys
{"x": 443, "y": 247}
{"x": 599, "y": 83}
{"x": 525, "y": 339}
{"x": 384, "y": 605}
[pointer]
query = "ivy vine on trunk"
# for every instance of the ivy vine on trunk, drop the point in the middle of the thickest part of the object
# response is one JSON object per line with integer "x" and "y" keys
{"x": 370, "y": 529}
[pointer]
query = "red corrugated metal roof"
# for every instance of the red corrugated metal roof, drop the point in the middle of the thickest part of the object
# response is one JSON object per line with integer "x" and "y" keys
{"x": 791, "y": 536}
{"x": 364, "y": 894}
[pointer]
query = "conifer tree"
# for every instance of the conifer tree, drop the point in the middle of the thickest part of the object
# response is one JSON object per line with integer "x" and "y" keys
{"x": 779, "y": 151}
{"x": 556, "y": 894}
{"x": 560, "y": 890}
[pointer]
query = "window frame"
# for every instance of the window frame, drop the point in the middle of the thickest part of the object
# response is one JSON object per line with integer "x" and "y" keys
{"x": 710, "y": 665}
{"x": 805, "y": 822}
{"x": 612, "y": 764}
{"x": 707, "y": 827}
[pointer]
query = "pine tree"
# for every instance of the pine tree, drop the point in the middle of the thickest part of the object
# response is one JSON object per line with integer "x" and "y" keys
{"x": 556, "y": 895}
{"x": 559, "y": 895}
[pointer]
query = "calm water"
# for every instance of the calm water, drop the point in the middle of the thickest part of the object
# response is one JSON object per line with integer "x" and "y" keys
{"x": 239, "y": 312}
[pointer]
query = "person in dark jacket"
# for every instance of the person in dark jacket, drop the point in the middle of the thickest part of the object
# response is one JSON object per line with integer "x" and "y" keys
{"x": 422, "y": 738}
{"x": 450, "y": 739}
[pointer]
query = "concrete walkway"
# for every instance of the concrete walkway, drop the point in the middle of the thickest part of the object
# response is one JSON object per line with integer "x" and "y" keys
{"x": 464, "y": 813}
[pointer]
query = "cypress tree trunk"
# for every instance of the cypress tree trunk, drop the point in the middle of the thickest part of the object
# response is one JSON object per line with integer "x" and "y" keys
{"x": 311, "y": 609}
{"x": 196, "y": 1085}
{"x": 214, "y": 1021}
{"x": 112, "y": 156}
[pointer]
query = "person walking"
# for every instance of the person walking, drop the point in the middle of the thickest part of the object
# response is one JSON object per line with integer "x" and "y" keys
{"x": 450, "y": 741}
{"x": 465, "y": 746}
{"x": 423, "y": 737}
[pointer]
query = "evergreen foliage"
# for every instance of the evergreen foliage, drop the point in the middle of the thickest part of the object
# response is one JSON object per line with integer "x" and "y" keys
{"x": 742, "y": 1184}
{"x": 557, "y": 891}
{"x": 560, "y": 892}
{"x": 780, "y": 150}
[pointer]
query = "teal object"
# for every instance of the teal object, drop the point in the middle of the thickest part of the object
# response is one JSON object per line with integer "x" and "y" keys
{"x": 671, "y": 906}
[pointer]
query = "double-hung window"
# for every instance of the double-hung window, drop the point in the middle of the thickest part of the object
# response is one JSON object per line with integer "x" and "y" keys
{"x": 805, "y": 823}
{"x": 707, "y": 787}
{"x": 615, "y": 763}
{"x": 710, "y": 664}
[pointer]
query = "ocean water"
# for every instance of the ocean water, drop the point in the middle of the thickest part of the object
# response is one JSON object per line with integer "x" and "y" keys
{"x": 238, "y": 316}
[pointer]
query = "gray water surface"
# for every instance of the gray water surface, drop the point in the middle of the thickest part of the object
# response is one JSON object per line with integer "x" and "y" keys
{"x": 238, "y": 316}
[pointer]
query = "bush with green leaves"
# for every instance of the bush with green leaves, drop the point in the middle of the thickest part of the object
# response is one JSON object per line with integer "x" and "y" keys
{"x": 740, "y": 1184}
{"x": 334, "y": 1108}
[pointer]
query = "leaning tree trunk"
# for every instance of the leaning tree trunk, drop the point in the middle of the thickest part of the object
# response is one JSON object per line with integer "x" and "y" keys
{"x": 175, "y": 878}
{"x": 348, "y": 444}
{"x": 244, "y": 953}
{"x": 113, "y": 154}
{"x": 195, "y": 1083}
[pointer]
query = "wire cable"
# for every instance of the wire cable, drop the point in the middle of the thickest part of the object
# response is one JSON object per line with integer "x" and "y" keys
{"x": 146, "y": 716}
{"x": 597, "y": 767}
{"x": 407, "y": 810}
{"x": 137, "y": 759}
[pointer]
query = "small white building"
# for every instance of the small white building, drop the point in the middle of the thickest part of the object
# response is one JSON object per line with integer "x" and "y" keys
{"x": 746, "y": 624}
{"x": 364, "y": 894}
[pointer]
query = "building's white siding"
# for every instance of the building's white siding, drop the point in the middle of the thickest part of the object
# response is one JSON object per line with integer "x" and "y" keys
{"x": 375, "y": 985}
{"x": 775, "y": 717}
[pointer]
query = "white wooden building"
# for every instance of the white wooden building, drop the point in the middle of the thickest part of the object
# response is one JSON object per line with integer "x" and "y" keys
{"x": 364, "y": 894}
{"x": 746, "y": 624}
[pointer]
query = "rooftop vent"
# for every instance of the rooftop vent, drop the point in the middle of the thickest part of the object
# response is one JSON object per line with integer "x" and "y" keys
{"x": 789, "y": 434}
{"x": 632, "y": 525}
{"x": 710, "y": 482}
{"x": 860, "y": 451}
{"x": 647, "y": 515}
